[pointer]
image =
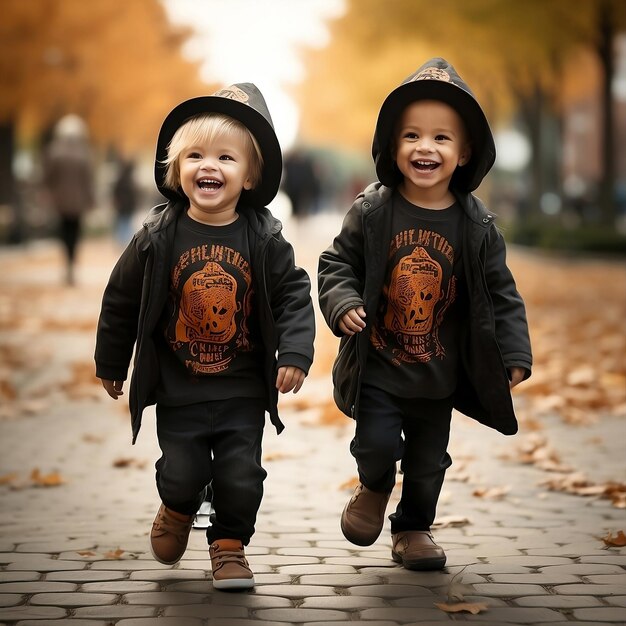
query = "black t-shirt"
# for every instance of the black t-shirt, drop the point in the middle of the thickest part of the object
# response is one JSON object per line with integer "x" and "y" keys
{"x": 208, "y": 340}
{"x": 413, "y": 349}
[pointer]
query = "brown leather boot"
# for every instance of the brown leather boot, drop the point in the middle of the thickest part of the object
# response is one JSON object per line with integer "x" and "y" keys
{"x": 230, "y": 566}
{"x": 416, "y": 549}
{"x": 364, "y": 515}
{"x": 169, "y": 535}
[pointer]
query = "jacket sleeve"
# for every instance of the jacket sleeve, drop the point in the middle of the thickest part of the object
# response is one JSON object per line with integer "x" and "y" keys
{"x": 119, "y": 315}
{"x": 511, "y": 326}
{"x": 341, "y": 271}
{"x": 291, "y": 305}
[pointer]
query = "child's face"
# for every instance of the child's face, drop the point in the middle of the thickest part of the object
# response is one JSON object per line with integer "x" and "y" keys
{"x": 429, "y": 143}
{"x": 212, "y": 176}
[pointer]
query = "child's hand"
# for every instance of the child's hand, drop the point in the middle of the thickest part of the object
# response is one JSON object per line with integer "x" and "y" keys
{"x": 352, "y": 321}
{"x": 113, "y": 387}
{"x": 517, "y": 376}
{"x": 289, "y": 378}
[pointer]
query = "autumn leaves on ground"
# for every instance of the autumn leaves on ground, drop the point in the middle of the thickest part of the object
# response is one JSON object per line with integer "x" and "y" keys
{"x": 576, "y": 309}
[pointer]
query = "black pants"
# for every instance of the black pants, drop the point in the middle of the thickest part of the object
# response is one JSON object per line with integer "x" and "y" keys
{"x": 219, "y": 443}
{"x": 69, "y": 234}
{"x": 414, "y": 431}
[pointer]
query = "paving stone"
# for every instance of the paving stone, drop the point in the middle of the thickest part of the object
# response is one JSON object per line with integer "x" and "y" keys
{"x": 63, "y": 622}
{"x": 427, "y": 601}
{"x": 168, "y": 576}
{"x": 131, "y": 564}
{"x": 531, "y": 561}
{"x": 120, "y": 587}
{"x": 342, "y": 603}
{"x": 315, "y": 552}
{"x": 398, "y": 614}
{"x": 612, "y": 559}
{"x": 9, "y": 577}
{"x": 340, "y": 580}
{"x": 615, "y": 600}
{"x": 276, "y": 560}
{"x": 31, "y": 612}
{"x": 572, "y": 551}
{"x": 115, "y": 612}
{"x": 73, "y": 599}
{"x": 252, "y": 621}
{"x": 86, "y": 576}
{"x": 519, "y": 615}
{"x": 607, "y": 579}
{"x": 359, "y": 562}
{"x": 604, "y": 614}
{"x": 578, "y": 623}
{"x": 11, "y": 599}
{"x": 44, "y": 565}
{"x": 164, "y": 598}
{"x": 486, "y": 551}
{"x": 294, "y": 591}
{"x": 349, "y": 623}
{"x": 559, "y": 602}
{"x": 300, "y": 615}
{"x": 390, "y": 591}
{"x": 162, "y": 621}
{"x": 584, "y": 569}
{"x": 205, "y": 611}
{"x": 509, "y": 591}
{"x": 544, "y": 578}
{"x": 317, "y": 568}
{"x": 272, "y": 579}
{"x": 39, "y": 586}
{"x": 56, "y": 545}
{"x": 590, "y": 590}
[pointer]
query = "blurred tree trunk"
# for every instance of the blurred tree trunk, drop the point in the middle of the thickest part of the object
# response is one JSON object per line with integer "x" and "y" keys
{"x": 531, "y": 109}
{"x": 6, "y": 173}
{"x": 605, "y": 52}
{"x": 8, "y": 194}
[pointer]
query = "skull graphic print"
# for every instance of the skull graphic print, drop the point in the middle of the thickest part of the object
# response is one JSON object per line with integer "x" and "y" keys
{"x": 419, "y": 288}
{"x": 211, "y": 293}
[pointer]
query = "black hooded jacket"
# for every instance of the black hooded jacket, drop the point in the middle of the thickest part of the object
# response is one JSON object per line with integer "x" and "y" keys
{"x": 137, "y": 291}
{"x": 494, "y": 335}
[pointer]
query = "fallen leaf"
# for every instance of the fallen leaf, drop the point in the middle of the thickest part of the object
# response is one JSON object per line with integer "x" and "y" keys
{"x": 618, "y": 541}
{"x": 89, "y": 438}
{"x": 451, "y": 521}
{"x": 114, "y": 555}
{"x": 277, "y": 456}
{"x": 53, "y": 479}
{"x": 491, "y": 493}
{"x": 469, "y": 607}
{"x": 578, "y": 484}
{"x": 7, "y": 479}
{"x": 349, "y": 485}
{"x": 332, "y": 416}
{"x": 129, "y": 462}
{"x": 86, "y": 553}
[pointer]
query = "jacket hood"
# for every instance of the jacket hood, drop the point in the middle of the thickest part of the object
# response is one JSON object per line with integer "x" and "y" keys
{"x": 435, "y": 80}
{"x": 245, "y": 103}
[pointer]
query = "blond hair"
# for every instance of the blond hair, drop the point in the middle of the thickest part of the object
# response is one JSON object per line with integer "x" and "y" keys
{"x": 208, "y": 127}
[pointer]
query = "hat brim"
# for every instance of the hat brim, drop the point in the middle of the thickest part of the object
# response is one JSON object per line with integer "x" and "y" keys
{"x": 466, "y": 178}
{"x": 262, "y": 130}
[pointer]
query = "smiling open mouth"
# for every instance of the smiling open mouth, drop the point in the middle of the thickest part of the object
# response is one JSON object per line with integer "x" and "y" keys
{"x": 209, "y": 184}
{"x": 425, "y": 166}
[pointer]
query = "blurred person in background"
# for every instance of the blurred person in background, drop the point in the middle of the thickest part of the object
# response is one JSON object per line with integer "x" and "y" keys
{"x": 68, "y": 180}
{"x": 125, "y": 194}
{"x": 301, "y": 183}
